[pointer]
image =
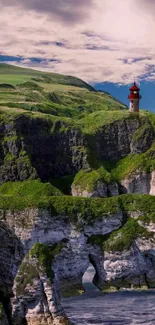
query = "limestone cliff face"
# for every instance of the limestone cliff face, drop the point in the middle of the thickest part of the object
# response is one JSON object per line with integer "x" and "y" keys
{"x": 132, "y": 268}
{"x": 47, "y": 254}
{"x": 36, "y": 296}
{"x": 47, "y": 243}
{"x": 101, "y": 189}
{"x": 32, "y": 148}
{"x": 37, "y": 147}
{"x": 139, "y": 182}
{"x": 117, "y": 140}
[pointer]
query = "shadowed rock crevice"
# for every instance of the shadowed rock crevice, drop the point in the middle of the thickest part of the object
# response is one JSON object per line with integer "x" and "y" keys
{"x": 52, "y": 147}
{"x": 6, "y": 312}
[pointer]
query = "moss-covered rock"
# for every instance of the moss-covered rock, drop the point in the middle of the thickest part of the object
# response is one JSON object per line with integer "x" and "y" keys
{"x": 123, "y": 238}
{"x": 43, "y": 256}
{"x": 94, "y": 183}
{"x": 37, "y": 282}
{"x": 139, "y": 162}
{"x": 47, "y": 147}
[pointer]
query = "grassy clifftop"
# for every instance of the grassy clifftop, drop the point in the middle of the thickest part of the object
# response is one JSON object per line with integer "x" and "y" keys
{"x": 87, "y": 208}
{"x": 57, "y": 132}
{"x": 50, "y": 93}
{"x": 16, "y": 75}
{"x": 59, "y": 129}
{"x": 104, "y": 146}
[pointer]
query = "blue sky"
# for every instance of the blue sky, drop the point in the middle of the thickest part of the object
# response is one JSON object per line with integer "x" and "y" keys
{"x": 107, "y": 43}
{"x": 118, "y": 91}
{"x": 121, "y": 92}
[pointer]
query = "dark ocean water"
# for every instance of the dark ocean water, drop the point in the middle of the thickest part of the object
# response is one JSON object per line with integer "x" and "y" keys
{"x": 118, "y": 308}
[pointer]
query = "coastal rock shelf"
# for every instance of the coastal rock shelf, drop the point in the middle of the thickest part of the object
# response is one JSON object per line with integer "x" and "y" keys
{"x": 77, "y": 187}
{"x": 46, "y": 251}
{"x": 90, "y": 157}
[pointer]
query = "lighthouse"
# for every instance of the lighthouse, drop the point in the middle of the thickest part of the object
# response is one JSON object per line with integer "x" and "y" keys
{"x": 134, "y": 98}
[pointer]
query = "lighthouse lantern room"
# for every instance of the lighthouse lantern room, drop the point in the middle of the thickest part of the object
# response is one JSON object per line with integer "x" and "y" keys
{"x": 134, "y": 98}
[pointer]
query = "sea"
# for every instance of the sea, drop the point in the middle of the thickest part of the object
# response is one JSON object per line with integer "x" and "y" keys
{"x": 117, "y": 308}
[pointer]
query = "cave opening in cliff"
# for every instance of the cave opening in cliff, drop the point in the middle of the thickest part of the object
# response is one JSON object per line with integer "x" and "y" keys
{"x": 88, "y": 277}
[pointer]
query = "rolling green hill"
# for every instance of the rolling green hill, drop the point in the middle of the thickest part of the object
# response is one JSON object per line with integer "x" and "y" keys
{"x": 14, "y": 75}
{"x": 55, "y": 127}
{"x": 50, "y": 93}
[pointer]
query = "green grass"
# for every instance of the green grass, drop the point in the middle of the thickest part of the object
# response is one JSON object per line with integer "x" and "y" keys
{"x": 142, "y": 162}
{"x": 70, "y": 101}
{"x": 86, "y": 208}
{"x": 45, "y": 255}
{"x": 88, "y": 179}
{"x": 138, "y": 202}
{"x": 33, "y": 188}
{"x": 12, "y": 74}
{"x": 101, "y": 170}
{"x": 63, "y": 205}
{"x": 14, "y": 79}
{"x": 95, "y": 121}
{"x": 82, "y": 211}
{"x": 30, "y": 85}
{"x": 12, "y": 114}
{"x": 28, "y": 272}
{"x": 142, "y": 131}
{"x": 50, "y": 93}
{"x": 123, "y": 238}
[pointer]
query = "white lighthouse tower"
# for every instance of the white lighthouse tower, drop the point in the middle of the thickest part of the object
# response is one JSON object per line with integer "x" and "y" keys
{"x": 134, "y": 98}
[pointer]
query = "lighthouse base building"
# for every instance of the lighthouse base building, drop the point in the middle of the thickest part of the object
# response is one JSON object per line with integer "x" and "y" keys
{"x": 134, "y": 99}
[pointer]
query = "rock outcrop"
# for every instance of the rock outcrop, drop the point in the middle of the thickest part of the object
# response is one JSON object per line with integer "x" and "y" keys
{"x": 46, "y": 241}
{"x": 139, "y": 183}
{"x": 36, "y": 289}
{"x": 132, "y": 268}
{"x": 101, "y": 189}
{"x": 121, "y": 138}
{"x": 36, "y": 147}
{"x": 47, "y": 250}
{"x": 32, "y": 148}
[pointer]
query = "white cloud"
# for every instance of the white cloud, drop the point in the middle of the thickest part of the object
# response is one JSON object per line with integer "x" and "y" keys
{"x": 101, "y": 48}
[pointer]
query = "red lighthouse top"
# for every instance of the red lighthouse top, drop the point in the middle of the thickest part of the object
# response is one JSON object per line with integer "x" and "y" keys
{"x": 134, "y": 92}
{"x": 134, "y": 87}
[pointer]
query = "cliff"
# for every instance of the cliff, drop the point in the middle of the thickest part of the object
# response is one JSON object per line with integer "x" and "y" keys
{"x": 43, "y": 158}
{"x": 46, "y": 249}
{"x": 77, "y": 186}
{"x": 97, "y": 155}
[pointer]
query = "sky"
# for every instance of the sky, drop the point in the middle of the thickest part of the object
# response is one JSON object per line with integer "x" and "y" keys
{"x": 108, "y": 43}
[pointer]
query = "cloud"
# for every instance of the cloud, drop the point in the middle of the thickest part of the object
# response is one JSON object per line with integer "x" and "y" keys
{"x": 66, "y": 10}
{"x": 148, "y": 5}
{"x": 109, "y": 41}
